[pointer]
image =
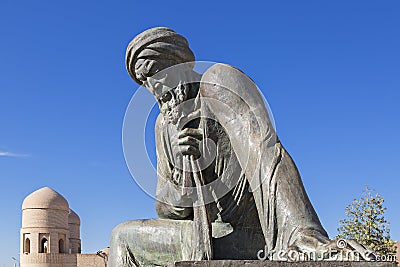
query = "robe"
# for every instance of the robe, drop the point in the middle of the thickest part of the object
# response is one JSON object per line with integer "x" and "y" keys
{"x": 252, "y": 189}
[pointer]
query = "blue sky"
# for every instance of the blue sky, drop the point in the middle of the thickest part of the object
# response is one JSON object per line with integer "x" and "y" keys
{"x": 329, "y": 70}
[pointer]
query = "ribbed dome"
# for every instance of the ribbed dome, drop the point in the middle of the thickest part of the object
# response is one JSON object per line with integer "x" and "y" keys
{"x": 45, "y": 198}
{"x": 73, "y": 218}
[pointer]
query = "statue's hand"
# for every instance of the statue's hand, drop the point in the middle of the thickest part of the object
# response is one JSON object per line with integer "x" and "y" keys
{"x": 189, "y": 140}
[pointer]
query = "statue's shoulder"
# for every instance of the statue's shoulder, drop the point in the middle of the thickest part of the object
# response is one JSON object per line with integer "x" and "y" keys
{"x": 221, "y": 71}
{"x": 223, "y": 76}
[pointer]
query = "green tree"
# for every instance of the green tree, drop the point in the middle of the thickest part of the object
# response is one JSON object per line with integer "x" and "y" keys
{"x": 366, "y": 224}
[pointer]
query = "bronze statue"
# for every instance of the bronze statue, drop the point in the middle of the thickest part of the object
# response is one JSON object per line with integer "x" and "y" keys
{"x": 227, "y": 188}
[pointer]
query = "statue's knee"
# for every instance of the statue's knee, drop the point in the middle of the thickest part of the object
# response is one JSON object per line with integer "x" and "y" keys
{"x": 116, "y": 238}
{"x": 120, "y": 231}
{"x": 127, "y": 230}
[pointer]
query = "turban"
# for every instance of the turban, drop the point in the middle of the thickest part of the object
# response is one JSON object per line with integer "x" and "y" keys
{"x": 161, "y": 44}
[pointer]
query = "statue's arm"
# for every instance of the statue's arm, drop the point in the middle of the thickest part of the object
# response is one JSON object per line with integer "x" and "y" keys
{"x": 168, "y": 197}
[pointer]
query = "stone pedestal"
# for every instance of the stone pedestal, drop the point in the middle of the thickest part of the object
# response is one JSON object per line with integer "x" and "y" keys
{"x": 250, "y": 263}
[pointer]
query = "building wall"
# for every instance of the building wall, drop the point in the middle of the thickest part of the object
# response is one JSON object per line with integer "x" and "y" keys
{"x": 52, "y": 235}
{"x": 90, "y": 260}
{"x": 62, "y": 260}
{"x": 45, "y": 223}
{"x": 48, "y": 260}
{"x": 74, "y": 238}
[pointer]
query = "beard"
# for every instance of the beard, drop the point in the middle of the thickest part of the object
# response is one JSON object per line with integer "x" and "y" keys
{"x": 178, "y": 106}
{"x": 173, "y": 116}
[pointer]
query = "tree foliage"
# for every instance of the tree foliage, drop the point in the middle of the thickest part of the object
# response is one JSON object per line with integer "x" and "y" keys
{"x": 366, "y": 224}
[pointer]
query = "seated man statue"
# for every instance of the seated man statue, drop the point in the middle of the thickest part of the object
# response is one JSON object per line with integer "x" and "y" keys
{"x": 227, "y": 188}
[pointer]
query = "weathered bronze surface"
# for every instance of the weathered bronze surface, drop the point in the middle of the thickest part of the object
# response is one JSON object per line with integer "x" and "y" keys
{"x": 227, "y": 188}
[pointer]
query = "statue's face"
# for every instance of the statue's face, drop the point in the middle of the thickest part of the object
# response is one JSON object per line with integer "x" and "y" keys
{"x": 166, "y": 86}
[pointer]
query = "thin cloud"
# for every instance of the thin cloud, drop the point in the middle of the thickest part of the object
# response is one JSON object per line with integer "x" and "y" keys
{"x": 10, "y": 154}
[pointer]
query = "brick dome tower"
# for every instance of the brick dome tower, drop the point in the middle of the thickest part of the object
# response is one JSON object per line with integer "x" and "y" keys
{"x": 50, "y": 230}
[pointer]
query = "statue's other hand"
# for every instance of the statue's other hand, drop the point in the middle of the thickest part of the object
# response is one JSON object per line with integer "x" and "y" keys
{"x": 189, "y": 140}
